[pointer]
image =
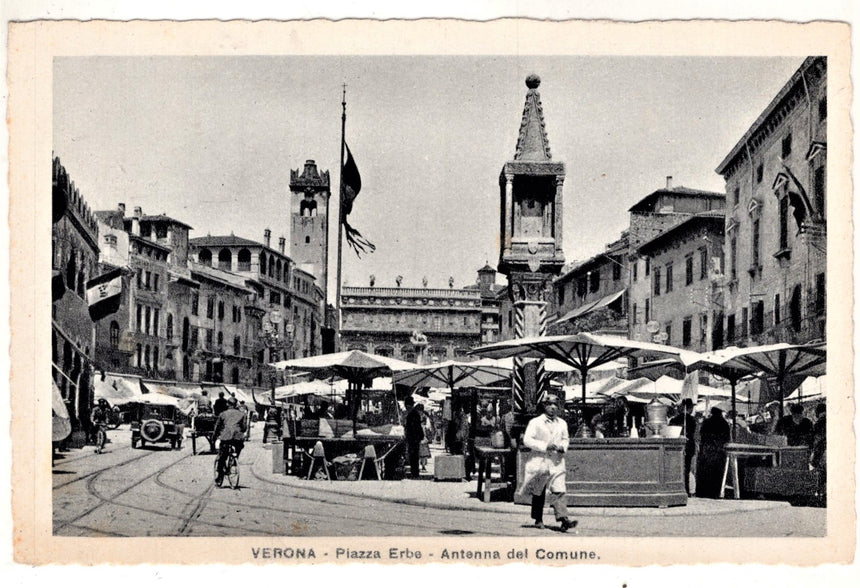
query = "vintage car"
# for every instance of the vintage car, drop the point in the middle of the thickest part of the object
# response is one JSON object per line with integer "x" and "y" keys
{"x": 157, "y": 423}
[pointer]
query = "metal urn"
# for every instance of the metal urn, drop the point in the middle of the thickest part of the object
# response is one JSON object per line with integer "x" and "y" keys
{"x": 656, "y": 417}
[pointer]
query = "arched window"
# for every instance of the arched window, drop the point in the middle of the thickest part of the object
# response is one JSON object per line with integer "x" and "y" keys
{"x": 244, "y": 259}
{"x": 278, "y": 270}
{"x": 220, "y": 338}
{"x": 168, "y": 332}
{"x": 263, "y": 263}
{"x": 186, "y": 368}
{"x": 114, "y": 334}
{"x": 794, "y": 308}
{"x": 271, "y": 266}
{"x": 146, "y": 356}
{"x": 225, "y": 259}
{"x": 204, "y": 256}
{"x": 237, "y": 345}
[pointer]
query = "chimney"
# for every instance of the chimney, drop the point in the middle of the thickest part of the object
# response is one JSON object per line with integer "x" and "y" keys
{"x": 668, "y": 182}
{"x": 267, "y": 237}
{"x": 135, "y": 221}
{"x": 282, "y": 243}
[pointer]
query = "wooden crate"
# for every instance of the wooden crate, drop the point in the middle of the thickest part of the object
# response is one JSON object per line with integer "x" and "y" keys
{"x": 449, "y": 467}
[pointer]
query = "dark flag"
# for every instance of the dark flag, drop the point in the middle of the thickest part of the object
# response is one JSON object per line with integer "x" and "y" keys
{"x": 104, "y": 294}
{"x": 798, "y": 200}
{"x": 351, "y": 182}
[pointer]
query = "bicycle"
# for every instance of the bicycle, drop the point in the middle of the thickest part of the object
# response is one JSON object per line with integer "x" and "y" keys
{"x": 101, "y": 437}
{"x": 231, "y": 466}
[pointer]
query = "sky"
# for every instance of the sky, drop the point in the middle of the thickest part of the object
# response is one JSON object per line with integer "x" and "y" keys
{"x": 210, "y": 141}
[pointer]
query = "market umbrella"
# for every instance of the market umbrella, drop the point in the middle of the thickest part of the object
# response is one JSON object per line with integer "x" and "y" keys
{"x": 779, "y": 360}
{"x": 357, "y": 367}
{"x": 582, "y": 352}
{"x": 454, "y": 374}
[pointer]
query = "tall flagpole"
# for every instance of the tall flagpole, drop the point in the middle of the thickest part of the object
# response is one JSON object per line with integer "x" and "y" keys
{"x": 340, "y": 220}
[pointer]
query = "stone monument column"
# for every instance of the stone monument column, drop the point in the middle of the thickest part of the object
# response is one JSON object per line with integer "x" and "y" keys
{"x": 530, "y": 241}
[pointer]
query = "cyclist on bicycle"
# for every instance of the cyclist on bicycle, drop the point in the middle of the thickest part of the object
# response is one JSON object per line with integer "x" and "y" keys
{"x": 99, "y": 418}
{"x": 230, "y": 430}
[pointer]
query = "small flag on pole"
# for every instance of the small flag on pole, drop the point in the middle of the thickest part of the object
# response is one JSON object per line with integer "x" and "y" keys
{"x": 104, "y": 294}
{"x": 351, "y": 182}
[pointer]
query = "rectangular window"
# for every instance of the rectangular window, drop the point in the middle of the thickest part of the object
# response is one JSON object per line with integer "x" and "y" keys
{"x": 155, "y": 282}
{"x": 669, "y": 278}
{"x": 777, "y": 311}
{"x": 759, "y": 174}
{"x": 633, "y": 312}
{"x": 139, "y": 279}
{"x": 195, "y": 303}
{"x": 819, "y": 185}
{"x": 209, "y": 339}
{"x": 783, "y": 222}
{"x": 155, "y": 321}
{"x": 688, "y": 273}
{"x": 786, "y": 146}
{"x": 220, "y": 310}
{"x": 737, "y": 196}
{"x": 757, "y": 323}
{"x": 195, "y": 337}
{"x": 210, "y": 307}
{"x": 647, "y": 266}
{"x": 820, "y": 293}
{"x": 656, "y": 281}
{"x": 703, "y": 263}
{"x": 687, "y": 332}
{"x": 616, "y": 271}
{"x": 745, "y": 319}
{"x": 147, "y": 279}
{"x": 756, "y": 240}
{"x": 595, "y": 281}
{"x": 138, "y": 317}
{"x": 733, "y": 252}
{"x": 635, "y": 270}
{"x": 647, "y": 309}
{"x": 147, "y": 320}
{"x": 730, "y": 328}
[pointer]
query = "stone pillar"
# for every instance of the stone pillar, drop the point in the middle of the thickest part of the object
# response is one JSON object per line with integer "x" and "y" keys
{"x": 559, "y": 183}
{"x": 530, "y": 293}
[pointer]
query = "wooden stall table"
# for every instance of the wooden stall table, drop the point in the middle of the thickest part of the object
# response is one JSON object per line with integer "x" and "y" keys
{"x": 486, "y": 456}
{"x": 736, "y": 450}
{"x": 384, "y": 445}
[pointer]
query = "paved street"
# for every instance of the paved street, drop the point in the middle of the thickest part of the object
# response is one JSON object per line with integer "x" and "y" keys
{"x": 158, "y": 492}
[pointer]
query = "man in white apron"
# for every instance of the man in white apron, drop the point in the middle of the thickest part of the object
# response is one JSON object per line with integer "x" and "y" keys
{"x": 546, "y": 436}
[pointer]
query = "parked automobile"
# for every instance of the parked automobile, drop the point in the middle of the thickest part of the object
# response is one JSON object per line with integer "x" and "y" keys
{"x": 157, "y": 423}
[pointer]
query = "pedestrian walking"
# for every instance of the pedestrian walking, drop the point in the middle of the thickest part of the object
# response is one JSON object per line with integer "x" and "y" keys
{"x": 547, "y": 438}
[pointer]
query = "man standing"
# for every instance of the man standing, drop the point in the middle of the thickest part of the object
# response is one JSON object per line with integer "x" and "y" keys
{"x": 414, "y": 435}
{"x": 547, "y": 438}
{"x": 230, "y": 430}
{"x": 220, "y": 404}
{"x": 687, "y": 422}
{"x": 796, "y": 427}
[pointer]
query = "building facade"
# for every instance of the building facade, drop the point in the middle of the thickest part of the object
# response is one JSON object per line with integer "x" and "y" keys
{"x": 776, "y": 186}
{"x": 654, "y": 214}
{"x": 684, "y": 279}
{"x": 74, "y": 261}
{"x": 591, "y": 295}
{"x": 413, "y": 324}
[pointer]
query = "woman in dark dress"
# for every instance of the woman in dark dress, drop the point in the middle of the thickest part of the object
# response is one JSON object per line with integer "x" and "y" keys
{"x": 715, "y": 433}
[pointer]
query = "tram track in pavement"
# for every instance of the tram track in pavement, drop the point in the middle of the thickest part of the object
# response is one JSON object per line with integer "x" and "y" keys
{"x": 98, "y": 471}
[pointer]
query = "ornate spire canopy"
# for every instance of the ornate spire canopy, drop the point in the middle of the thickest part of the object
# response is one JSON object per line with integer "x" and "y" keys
{"x": 532, "y": 142}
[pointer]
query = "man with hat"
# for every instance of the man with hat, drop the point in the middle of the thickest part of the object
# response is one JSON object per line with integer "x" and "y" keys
{"x": 547, "y": 438}
{"x": 230, "y": 430}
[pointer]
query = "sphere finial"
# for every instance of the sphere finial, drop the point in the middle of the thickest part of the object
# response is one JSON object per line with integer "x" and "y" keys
{"x": 533, "y": 81}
